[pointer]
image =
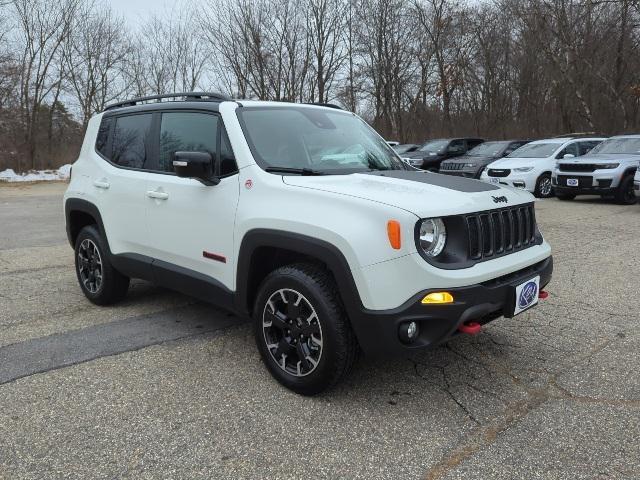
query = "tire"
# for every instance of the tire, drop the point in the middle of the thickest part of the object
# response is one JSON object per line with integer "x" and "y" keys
{"x": 624, "y": 193}
{"x": 91, "y": 257}
{"x": 327, "y": 350}
{"x": 565, "y": 196}
{"x": 544, "y": 187}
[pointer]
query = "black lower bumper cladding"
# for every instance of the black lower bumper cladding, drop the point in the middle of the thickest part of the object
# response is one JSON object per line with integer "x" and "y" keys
{"x": 377, "y": 331}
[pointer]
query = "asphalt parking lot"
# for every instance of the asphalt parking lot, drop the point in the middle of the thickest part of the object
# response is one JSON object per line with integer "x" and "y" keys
{"x": 162, "y": 386}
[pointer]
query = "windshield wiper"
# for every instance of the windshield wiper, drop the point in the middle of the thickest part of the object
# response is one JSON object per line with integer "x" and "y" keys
{"x": 299, "y": 171}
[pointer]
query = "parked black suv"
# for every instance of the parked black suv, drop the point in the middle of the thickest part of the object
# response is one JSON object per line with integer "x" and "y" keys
{"x": 475, "y": 160}
{"x": 433, "y": 152}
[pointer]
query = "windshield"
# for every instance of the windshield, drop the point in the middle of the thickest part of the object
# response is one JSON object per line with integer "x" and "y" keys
{"x": 488, "y": 149}
{"x": 618, "y": 145}
{"x": 535, "y": 150}
{"x": 321, "y": 140}
{"x": 434, "y": 146}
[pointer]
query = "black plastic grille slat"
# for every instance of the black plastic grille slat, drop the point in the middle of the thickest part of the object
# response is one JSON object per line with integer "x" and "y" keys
{"x": 500, "y": 231}
{"x": 577, "y": 167}
{"x": 475, "y": 245}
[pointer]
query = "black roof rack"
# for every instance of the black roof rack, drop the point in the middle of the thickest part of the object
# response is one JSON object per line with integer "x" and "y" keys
{"x": 328, "y": 105}
{"x": 187, "y": 96}
{"x": 581, "y": 134}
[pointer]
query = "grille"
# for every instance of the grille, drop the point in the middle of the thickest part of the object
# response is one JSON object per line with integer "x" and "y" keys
{"x": 582, "y": 181}
{"x": 577, "y": 167}
{"x": 493, "y": 172}
{"x": 499, "y": 232}
{"x": 451, "y": 166}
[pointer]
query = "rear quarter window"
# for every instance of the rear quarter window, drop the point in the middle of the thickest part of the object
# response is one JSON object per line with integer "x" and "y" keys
{"x": 102, "y": 140}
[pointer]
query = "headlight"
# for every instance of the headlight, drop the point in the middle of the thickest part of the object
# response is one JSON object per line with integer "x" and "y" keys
{"x": 607, "y": 166}
{"x": 415, "y": 161}
{"x": 433, "y": 236}
{"x": 523, "y": 169}
{"x": 469, "y": 165}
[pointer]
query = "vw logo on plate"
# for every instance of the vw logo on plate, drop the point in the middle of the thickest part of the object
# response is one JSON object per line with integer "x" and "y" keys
{"x": 528, "y": 294}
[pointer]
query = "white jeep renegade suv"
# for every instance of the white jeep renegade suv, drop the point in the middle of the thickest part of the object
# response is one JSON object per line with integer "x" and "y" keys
{"x": 302, "y": 218}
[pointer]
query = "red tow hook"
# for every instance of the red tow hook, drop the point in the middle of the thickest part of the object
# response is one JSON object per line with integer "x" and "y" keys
{"x": 470, "y": 328}
{"x": 542, "y": 295}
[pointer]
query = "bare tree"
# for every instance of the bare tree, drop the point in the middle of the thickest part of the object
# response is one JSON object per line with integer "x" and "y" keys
{"x": 43, "y": 27}
{"x": 94, "y": 57}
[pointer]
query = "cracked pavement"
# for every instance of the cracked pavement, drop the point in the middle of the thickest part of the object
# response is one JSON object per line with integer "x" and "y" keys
{"x": 162, "y": 386}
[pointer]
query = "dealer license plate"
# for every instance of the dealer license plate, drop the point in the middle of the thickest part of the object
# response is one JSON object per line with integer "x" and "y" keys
{"x": 527, "y": 295}
{"x": 572, "y": 182}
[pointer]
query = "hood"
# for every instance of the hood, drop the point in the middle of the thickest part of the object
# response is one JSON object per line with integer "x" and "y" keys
{"x": 514, "y": 162}
{"x": 422, "y": 193}
{"x": 602, "y": 158}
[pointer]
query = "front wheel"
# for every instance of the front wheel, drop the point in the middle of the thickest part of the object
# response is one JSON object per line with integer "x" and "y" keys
{"x": 624, "y": 194}
{"x": 301, "y": 329}
{"x": 544, "y": 187}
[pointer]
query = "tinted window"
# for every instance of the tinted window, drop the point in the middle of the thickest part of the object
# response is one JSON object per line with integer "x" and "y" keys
{"x": 102, "y": 140}
{"x": 186, "y": 132}
{"x": 585, "y": 147}
{"x": 227, "y": 160}
{"x": 571, "y": 149}
{"x": 132, "y": 140}
{"x": 457, "y": 146}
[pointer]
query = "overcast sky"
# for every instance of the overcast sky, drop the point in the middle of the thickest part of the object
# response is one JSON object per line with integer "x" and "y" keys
{"x": 137, "y": 11}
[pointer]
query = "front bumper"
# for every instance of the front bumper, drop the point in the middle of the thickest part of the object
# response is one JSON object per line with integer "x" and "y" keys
{"x": 513, "y": 180}
{"x": 377, "y": 330}
{"x": 599, "y": 182}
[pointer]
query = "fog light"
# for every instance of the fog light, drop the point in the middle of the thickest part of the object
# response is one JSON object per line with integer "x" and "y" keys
{"x": 408, "y": 332}
{"x": 437, "y": 297}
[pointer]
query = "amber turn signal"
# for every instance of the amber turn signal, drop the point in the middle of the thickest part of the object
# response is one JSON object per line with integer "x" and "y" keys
{"x": 438, "y": 297}
{"x": 393, "y": 232}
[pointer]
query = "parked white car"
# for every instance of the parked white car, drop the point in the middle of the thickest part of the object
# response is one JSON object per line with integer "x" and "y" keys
{"x": 530, "y": 167}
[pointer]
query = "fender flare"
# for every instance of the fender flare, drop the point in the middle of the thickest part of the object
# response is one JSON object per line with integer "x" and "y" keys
{"x": 321, "y": 250}
{"x": 78, "y": 205}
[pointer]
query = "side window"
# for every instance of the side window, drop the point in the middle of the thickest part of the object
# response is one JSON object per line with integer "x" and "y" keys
{"x": 132, "y": 140}
{"x": 102, "y": 140}
{"x": 571, "y": 149}
{"x": 186, "y": 132}
{"x": 227, "y": 159}
{"x": 457, "y": 146}
{"x": 585, "y": 147}
{"x": 512, "y": 146}
{"x": 474, "y": 142}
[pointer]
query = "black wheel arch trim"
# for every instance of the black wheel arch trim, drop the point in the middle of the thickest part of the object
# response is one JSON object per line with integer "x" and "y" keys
{"x": 72, "y": 205}
{"x": 321, "y": 250}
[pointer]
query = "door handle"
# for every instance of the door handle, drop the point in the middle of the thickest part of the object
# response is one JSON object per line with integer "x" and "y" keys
{"x": 157, "y": 195}
{"x": 101, "y": 184}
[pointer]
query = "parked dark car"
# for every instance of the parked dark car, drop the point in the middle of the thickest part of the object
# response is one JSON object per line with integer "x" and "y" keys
{"x": 431, "y": 153}
{"x": 405, "y": 148}
{"x": 475, "y": 160}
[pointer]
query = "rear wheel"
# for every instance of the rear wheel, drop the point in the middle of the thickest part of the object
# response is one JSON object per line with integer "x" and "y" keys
{"x": 624, "y": 193}
{"x": 544, "y": 187}
{"x": 100, "y": 282}
{"x": 301, "y": 329}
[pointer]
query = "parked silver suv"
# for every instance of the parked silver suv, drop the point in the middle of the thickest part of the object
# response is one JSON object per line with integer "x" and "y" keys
{"x": 607, "y": 170}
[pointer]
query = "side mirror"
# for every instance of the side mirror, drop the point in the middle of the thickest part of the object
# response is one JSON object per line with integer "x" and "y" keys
{"x": 568, "y": 155}
{"x": 195, "y": 165}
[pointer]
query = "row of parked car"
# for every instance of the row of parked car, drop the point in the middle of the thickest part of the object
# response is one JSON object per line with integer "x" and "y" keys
{"x": 564, "y": 166}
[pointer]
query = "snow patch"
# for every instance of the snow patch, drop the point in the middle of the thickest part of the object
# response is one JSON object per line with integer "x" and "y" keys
{"x": 9, "y": 175}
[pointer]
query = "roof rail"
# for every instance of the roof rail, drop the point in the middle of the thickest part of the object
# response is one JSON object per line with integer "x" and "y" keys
{"x": 328, "y": 105}
{"x": 582, "y": 134}
{"x": 187, "y": 96}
